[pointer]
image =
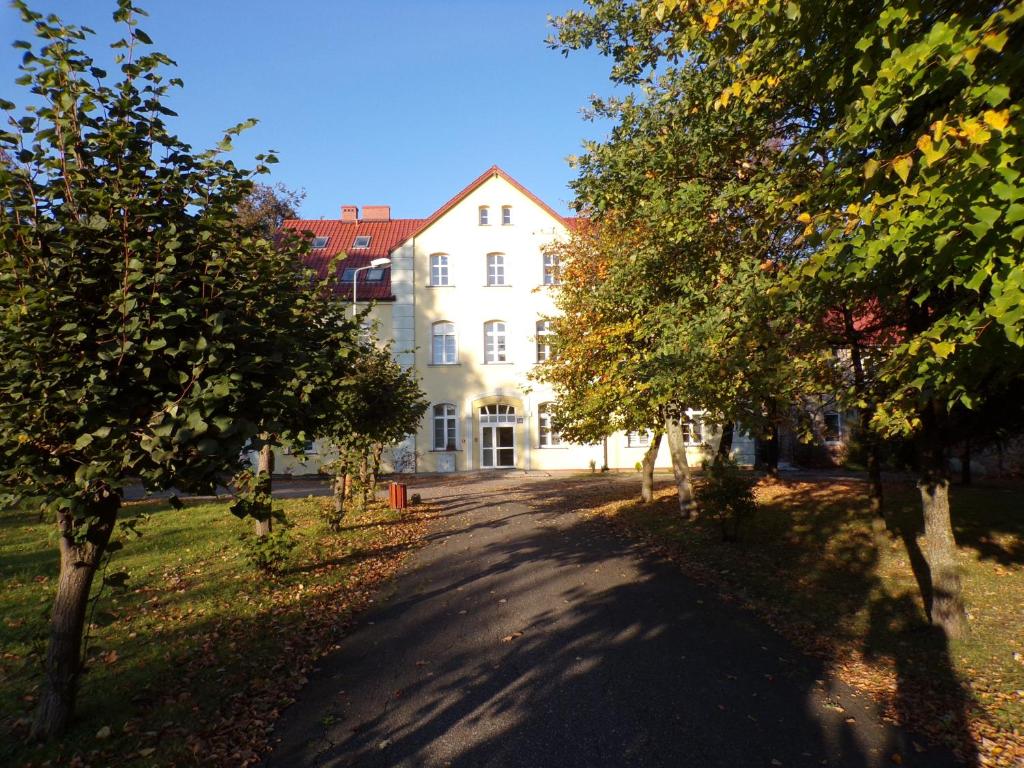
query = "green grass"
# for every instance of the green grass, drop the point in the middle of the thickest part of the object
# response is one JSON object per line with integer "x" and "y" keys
{"x": 814, "y": 563}
{"x": 197, "y": 637}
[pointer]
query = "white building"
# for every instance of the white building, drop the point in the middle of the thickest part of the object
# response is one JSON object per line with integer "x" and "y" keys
{"x": 463, "y": 300}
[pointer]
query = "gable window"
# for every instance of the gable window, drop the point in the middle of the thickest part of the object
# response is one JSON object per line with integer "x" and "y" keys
{"x": 361, "y": 241}
{"x": 833, "y": 427}
{"x": 506, "y": 214}
{"x": 443, "y": 349}
{"x": 320, "y": 242}
{"x": 445, "y": 427}
{"x": 551, "y": 276}
{"x": 496, "y": 269}
{"x": 543, "y": 343}
{"x": 439, "y": 269}
{"x": 549, "y": 437}
{"x": 484, "y": 215}
{"x": 495, "y": 342}
{"x": 638, "y": 439}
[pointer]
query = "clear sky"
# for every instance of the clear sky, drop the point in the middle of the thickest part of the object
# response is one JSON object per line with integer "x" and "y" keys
{"x": 399, "y": 102}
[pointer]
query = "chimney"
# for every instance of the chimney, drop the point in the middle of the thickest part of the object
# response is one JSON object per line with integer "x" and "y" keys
{"x": 376, "y": 213}
{"x": 349, "y": 213}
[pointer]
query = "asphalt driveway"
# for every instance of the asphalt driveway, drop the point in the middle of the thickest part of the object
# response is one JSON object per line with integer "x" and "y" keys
{"x": 525, "y": 634}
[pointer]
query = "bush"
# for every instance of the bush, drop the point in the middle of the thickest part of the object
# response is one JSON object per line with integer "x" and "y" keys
{"x": 269, "y": 553}
{"x": 728, "y": 494}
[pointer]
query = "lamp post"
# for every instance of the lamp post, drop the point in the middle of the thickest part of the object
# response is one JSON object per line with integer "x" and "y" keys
{"x": 375, "y": 264}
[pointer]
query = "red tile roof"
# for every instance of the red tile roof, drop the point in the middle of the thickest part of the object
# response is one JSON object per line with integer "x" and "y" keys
{"x": 384, "y": 236}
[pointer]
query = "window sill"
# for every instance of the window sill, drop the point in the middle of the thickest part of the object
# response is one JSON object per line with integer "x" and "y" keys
{"x": 552, "y": 447}
{"x": 439, "y": 285}
{"x": 439, "y": 450}
{"x": 443, "y": 365}
{"x": 496, "y": 285}
{"x": 505, "y": 363}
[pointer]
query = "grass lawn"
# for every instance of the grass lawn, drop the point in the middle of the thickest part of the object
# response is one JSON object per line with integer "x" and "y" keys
{"x": 192, "y": 662}
{"x": 813, "y": 563}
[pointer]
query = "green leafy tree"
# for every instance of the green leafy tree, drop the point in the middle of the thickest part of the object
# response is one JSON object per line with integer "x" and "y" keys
{"x": 896, "y": 129}
{"x": 376, "y": 405}
{"x": 140, "y": 325}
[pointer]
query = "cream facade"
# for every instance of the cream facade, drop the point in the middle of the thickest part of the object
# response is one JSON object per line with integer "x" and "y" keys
{"x": 470, "y": 288}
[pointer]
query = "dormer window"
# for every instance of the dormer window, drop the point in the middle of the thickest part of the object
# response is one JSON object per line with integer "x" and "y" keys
{"x": 506, "y": 214}
{"x": 484, "y": 215}
{"x": 362, "y": 241}
{"x": 320, "y": 242}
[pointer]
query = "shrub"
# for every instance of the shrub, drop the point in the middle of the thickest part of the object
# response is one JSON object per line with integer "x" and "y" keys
{"x": 728, "y": 494}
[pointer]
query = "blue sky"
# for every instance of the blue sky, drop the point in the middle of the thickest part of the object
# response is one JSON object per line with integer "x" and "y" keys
{"x": 400, "y": 102}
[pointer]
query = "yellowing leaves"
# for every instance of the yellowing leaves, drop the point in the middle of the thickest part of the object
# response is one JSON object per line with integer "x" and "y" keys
{"x": 804, "y": 218}
{"x": 997, "y": 120}
{"x": 974, "y": 132}
{"x": 902, "y": 166}
{"x": 710, "y": 21}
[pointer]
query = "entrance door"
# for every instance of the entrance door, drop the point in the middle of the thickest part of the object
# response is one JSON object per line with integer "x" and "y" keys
{"x": 497, "y": 437}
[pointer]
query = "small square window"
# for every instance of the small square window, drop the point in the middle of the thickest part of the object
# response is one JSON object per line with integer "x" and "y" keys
{"x": 362, "y": 241}
{"x": 506, "y": 214}
{"x": 320, "y": 242}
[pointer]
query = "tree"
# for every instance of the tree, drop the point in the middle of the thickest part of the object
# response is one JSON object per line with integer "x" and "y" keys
{"x": 898, "y": 150}
{"x": 131, "y": 348}
{"x": 266, "y": 208}
{"x": 377, "y": 404}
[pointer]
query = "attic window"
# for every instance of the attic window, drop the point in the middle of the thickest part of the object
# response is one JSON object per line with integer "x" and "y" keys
{"x": 348, "y": 274}
{"x": 362, "y": 241}
{"x": 320, "y": 242}
{"x": 374, "y": 275}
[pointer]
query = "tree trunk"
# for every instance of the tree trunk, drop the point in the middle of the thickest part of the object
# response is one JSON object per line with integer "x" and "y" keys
{"x": 339, "y": 497}
{"x": 78, "y": 564}
{"x": 725, "y": 443}
{"x": 772, "y": 452}
{"x": 867, "y": 433}
{"x": 680, "y": 467}
{"x": 264, "y": 487}
{"x": 647, "y": 469}
{"x": 946, "y": 604}
{"x": 874, "y": 458}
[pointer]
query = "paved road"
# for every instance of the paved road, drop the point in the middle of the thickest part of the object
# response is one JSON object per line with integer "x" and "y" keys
{"x": 527, "y": 635}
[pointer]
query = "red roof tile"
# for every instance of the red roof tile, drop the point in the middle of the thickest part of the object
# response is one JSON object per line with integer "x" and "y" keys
{"x": 384, "y": 236}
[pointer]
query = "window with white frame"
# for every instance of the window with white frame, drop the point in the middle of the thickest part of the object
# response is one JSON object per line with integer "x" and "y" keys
{"x": 543, "y": 340}
{"x": 320, "y": 242}
{"x": 638, "y": 439}
{"x": 439, "y": 269}
{"x": 495, "y": 338}
{"x": 446, "y": 425}
{"x": 361, "y": 241}
{"x": 496, "y": 269}
{"x": 693, "y": 430}
{"x": 551, "y": 276}
{"x": 443, "y": 349}
{"x": 484, "y": 215}
{"x": 549, "y": 436}
{"x": 506, "y": 214}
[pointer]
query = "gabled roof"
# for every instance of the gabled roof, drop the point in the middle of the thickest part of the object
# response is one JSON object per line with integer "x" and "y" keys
{"x": 492, "y": 172}
{"x": 384, "y": 236}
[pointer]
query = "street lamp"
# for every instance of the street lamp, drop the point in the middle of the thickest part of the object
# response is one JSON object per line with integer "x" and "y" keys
{"x": 383, "y": 261}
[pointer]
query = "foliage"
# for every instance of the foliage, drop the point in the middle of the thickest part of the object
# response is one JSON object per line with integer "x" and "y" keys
{"x": 266, "y": 208}
{"x": 727, "y": 494}
{"x": 146, "y": 332}
{"x": 270, "y": 552}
